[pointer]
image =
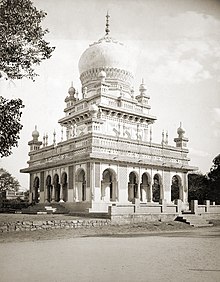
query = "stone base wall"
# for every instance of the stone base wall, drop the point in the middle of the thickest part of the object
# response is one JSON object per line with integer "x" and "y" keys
{"x": 53, "y": 224}
{"x": 210, "y": 216}
{"x": 140, "y": 218}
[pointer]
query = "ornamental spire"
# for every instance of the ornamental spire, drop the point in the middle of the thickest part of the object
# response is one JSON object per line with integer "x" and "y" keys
{"x": 107, "y": 30}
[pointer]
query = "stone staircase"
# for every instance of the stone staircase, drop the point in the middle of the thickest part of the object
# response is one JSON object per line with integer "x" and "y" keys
{"x": 194, "y": 220}
{"x": 51, "y": 208}
{"x": 63, "y": 208}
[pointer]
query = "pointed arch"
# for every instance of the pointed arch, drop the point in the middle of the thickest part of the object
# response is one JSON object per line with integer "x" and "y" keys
{"x": 157, "y": 187}
{"x": 56, "y": 187}
{"x": 109, "y": 185}
{"x": 63, "y": 193}
{"x": 176, "y": 188}
{"x": 49, "y": 188}
{"x": 145, "y": 187}
{"x": 80, "y": 185}
{"x": 36, "y": 190}
{"x": 133, "y": 186}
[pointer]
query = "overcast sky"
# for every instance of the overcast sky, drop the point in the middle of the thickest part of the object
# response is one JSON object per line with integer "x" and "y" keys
{"x": 177, "y": 47}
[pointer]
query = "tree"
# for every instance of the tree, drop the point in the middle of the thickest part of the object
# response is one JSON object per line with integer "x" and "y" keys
{"x": 198, "y": 187}
{"x": 21, "y": 35}
{"x": 7, "y": 181}
{"x": 10, "y": 114}
{"x": 22, "y": 47}
{"x": 214, "y": 180}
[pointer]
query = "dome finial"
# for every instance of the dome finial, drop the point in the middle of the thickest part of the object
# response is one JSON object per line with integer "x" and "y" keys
{"x": 107, "y": 30}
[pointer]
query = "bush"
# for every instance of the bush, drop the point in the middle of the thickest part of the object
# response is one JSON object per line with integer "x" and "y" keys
{"x": 13, "y": 205}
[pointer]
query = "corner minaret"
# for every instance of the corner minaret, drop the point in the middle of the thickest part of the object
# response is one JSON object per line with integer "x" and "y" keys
{"x": 34, "y": 143}
{"x": 181, "y": 141}
{"x": 71, "y": 99}
{"x": 143, "y": 98}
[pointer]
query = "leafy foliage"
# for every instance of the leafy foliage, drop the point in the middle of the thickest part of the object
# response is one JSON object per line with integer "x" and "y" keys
{"x": 21, "y": 36}
{"x": 214, "y": 180}
{"x": 10, "y": 115}
{"x": 7, "y": 181}
{"x": 214, "y": 174}
{"x": 206, "y": 187}
{"x": 198, "y": 187}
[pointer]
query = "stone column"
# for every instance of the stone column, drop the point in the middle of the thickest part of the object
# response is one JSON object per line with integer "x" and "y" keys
{"x": 194, "y": 206}
{"x": 130, "y": 192}
{"x": 115, "y": 189}
{"x": 179, "y": 206}
{"x": 53, "y": 194}
{"x": 164, "y": 205}
{"x": 149, "y": 199}
{"x": 143, "y": 192}
{"x": 46, "y": 194}
{"x": 61, "y": 194}
{"x": 207, "y": 205}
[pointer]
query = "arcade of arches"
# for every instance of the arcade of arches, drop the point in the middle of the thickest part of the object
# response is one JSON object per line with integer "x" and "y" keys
{"x": 144, "y": 187}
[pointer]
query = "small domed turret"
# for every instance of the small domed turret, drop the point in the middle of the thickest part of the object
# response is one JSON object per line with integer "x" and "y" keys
{"x": 35, "y": 134}
{"x": 71, "y": 90}
{"x": 181, "y": 141}
{"x": 180, "y": 131}
{"x": 70, "y": 99}
{"x": 34, "y": 143}
{"x": 142, "y": 87}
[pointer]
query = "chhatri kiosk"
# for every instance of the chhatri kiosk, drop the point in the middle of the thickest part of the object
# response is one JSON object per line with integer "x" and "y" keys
{"x": 108, "y": 157}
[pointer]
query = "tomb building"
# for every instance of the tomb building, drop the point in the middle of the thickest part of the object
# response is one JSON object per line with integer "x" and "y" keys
{"x": 107, "y": 156}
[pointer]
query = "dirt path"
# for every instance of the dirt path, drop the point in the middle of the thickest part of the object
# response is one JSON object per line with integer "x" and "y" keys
{"x": 191, "y": 255}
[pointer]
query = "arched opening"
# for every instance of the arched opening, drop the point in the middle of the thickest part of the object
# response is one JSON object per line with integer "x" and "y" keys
{"x": 63, "y": 196}
{"x": 132, "y": 187}
{"x": 176, "y": 188}
{"x": 36, "y": 191}
{"x": 81, "y": 186}
{"x": 49, "y": 188}
{"x": 145, "y": 188}
{"x": 108, "y": 185}
{"x": 56, "y": 185}
{"x": 156, "y": 188}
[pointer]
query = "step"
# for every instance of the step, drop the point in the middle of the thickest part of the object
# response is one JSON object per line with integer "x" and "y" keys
{"x": 41, "y": 208}
{"x": 90, "y": 215}
{"x": 194, "y": 220}
{"x": 202, "y": 225}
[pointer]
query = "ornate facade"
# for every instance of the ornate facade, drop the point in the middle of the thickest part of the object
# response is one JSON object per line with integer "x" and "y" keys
{"x": 108, "y": 156}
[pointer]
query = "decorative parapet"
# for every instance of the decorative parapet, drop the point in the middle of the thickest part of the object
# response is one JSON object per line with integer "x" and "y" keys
{"x": 112, "y": 149}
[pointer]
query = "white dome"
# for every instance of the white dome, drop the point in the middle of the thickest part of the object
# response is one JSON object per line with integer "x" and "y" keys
{"x": 107, "y": 53}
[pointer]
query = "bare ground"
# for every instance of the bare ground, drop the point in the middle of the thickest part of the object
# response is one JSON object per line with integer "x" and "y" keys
{"x": 111, "y": 231}
{"x": 152, "y": 252}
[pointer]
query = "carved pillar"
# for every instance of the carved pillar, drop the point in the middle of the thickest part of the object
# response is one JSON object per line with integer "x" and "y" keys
{"x": 61, "y": 194}
{"x": 46, "y": 194}
{"x": 53, "y": 194}
{"x": 150, "y": 193}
